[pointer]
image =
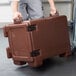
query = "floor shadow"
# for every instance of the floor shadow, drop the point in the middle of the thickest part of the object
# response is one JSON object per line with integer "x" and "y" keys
{"x": 47, "y": 64}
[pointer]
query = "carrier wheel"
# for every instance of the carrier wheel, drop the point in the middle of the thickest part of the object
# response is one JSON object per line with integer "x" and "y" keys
{"x": 66, "y": 54}
{"x": 36, "y": 63}
{"x": 19, "y": 62}
{"x": 62, "y": 55}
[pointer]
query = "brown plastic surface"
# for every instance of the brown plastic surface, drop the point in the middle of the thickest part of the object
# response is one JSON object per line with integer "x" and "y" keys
{"x": 49, "y": 37}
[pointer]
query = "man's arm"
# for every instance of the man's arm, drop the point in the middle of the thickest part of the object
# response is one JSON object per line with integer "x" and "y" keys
{"x": 16, "y": 13}
{"x": 17, "y": 16}
{"x": 14, "y": 6}
{"x": 52, "y": 7}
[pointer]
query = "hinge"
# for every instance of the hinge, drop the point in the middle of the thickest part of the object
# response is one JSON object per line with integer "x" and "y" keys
{"x": 35, "y": 53}
{"x": 31, "y": 28}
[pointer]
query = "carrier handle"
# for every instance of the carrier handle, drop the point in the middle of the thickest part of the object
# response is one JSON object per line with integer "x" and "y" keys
{"x": 56, "y": 14}
{"x": 18, "y": 21}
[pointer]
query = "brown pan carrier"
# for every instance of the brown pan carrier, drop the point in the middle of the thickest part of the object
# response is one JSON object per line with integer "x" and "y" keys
{"x": 42, "y": 39}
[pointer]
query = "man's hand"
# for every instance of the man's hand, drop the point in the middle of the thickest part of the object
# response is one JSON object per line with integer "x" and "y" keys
{"x": 27, "y": 22}
{"x": 17, "y": 17}
{"x": 53, "y": 12}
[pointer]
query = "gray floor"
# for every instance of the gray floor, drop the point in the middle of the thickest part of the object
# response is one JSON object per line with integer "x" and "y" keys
{"x": 53, "y": 67}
